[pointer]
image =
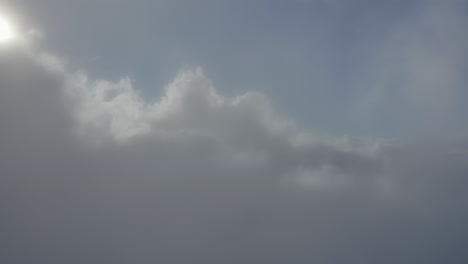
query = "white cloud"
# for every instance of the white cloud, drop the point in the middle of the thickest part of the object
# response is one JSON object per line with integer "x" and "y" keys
{"x": 416, "y": 72}
{"x": 190, "y": 106}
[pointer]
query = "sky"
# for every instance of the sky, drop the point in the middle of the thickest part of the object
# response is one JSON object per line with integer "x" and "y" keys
{"x": 305, "y": 131}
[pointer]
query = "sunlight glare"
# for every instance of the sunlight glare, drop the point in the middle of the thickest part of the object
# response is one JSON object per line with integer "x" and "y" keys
{"x": 5, "y": 30}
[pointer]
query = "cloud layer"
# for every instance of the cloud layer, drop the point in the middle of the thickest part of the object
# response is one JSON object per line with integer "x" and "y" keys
{"x": 92, "y": 173}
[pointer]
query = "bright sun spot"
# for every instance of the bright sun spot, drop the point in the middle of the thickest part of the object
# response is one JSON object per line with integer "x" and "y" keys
{"x": 5, "y": 30}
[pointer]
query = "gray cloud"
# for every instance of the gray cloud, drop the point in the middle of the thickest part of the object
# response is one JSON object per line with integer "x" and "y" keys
{"x": 91, "y": 173}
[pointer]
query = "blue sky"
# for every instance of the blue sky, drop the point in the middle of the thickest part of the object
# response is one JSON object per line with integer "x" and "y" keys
{"x": 318, "y": 61}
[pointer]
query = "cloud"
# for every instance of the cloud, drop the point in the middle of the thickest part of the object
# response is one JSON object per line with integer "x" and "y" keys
{"x": 416, "y": 73}
{"x": 91, "y": 172}
{"x": 191, "y": 111}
